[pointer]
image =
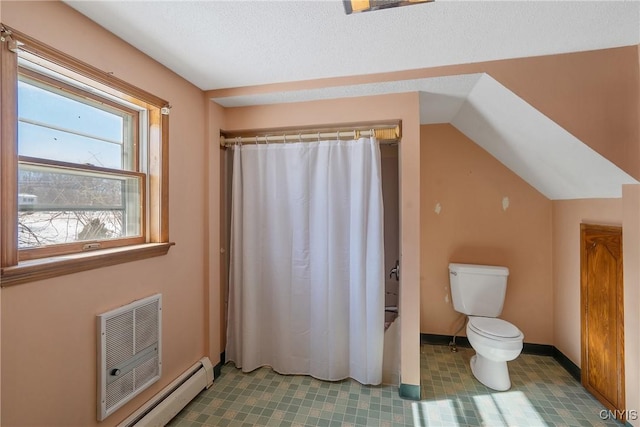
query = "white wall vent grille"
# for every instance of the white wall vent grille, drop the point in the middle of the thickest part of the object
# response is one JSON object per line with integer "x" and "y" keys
{"x": 129, "y": 352}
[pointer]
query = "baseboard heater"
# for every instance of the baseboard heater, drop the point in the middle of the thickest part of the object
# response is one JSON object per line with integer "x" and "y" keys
{"x": 169, "y": 401}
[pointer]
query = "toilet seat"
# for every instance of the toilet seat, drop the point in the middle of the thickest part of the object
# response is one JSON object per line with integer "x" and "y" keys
{"x": 494, "y": 328}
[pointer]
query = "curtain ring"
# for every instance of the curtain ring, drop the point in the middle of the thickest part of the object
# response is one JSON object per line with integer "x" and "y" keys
{"x": 318, "y": 136}
{"x": 300, "y": 137}
{"x": 238, "y": 141}
{"x": 338, "y": 136}
{"x": 284, "y": 137}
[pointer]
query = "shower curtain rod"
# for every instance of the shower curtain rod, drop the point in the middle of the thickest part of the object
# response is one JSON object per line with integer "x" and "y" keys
{"x": 385, "y": 133}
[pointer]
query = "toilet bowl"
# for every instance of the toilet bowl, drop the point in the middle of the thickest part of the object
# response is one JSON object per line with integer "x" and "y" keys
{"x": 496, "y": 342}
{"x": 478, "y": 291}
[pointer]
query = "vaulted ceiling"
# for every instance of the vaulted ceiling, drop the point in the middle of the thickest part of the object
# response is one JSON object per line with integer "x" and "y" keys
{"x": 226, "y": 44}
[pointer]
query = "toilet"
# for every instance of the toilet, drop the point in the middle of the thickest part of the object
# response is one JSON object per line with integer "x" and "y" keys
{"x": 478, "y": 291}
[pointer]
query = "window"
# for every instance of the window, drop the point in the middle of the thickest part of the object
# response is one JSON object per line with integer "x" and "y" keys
{"x": 79, "y": 178}
{"x": 83, "y": 162}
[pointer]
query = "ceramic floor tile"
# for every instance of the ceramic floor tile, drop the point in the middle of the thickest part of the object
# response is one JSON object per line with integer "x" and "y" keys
{"x": 542, "y": 394}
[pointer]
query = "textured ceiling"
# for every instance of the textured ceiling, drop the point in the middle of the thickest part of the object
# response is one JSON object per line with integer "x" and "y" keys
{"x": 226, "y": 44}
{"x": 223, "y": 44}
{"x": 451, "y": 86}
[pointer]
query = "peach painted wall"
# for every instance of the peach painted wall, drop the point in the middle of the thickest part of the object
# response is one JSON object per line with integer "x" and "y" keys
{"x": 215, "y": 268}
{"x": 593, "y": 94}
{"x": 567, "y": 216}
{"x": 1, "y": 17}
{"x": 369, "y": 109}
{"x": 48, "y": 327}
{"x": 631, "y": 262}
{"x": 631, "y": 223}
{"x": 464, "y": 221}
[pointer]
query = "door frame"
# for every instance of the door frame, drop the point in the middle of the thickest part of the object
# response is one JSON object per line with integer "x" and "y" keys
{"x": 585, "y": 228}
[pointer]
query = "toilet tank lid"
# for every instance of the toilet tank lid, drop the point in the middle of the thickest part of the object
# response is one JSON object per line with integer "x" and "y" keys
{"x": 479, "y": 269}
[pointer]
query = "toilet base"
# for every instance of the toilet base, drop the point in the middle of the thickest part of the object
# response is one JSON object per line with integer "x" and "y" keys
{"x": 493, "y": 374}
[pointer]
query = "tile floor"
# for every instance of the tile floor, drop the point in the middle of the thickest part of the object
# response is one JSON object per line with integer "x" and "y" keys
{"x": 542, "y": 394}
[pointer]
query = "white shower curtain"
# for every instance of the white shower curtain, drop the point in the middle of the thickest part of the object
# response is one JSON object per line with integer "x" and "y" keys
{"x": 306, "y": 289}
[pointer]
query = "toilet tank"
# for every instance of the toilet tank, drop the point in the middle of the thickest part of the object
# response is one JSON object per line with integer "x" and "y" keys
{"x": 478, "y": 290}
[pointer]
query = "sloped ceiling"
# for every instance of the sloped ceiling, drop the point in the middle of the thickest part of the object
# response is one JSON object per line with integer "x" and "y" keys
{"x": 537, "y": 149}
{"x": 534, "y": 147}
{"x": 225, "y": 44}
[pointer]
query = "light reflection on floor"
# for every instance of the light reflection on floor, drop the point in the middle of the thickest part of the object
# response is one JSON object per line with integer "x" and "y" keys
{"x": 542, "y": 394}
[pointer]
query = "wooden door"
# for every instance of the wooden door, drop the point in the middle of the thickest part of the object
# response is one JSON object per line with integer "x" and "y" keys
{"x": 602, "y": 315}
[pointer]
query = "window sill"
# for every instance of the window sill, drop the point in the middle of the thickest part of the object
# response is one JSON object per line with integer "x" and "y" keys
{"x": 45, "y": 268}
